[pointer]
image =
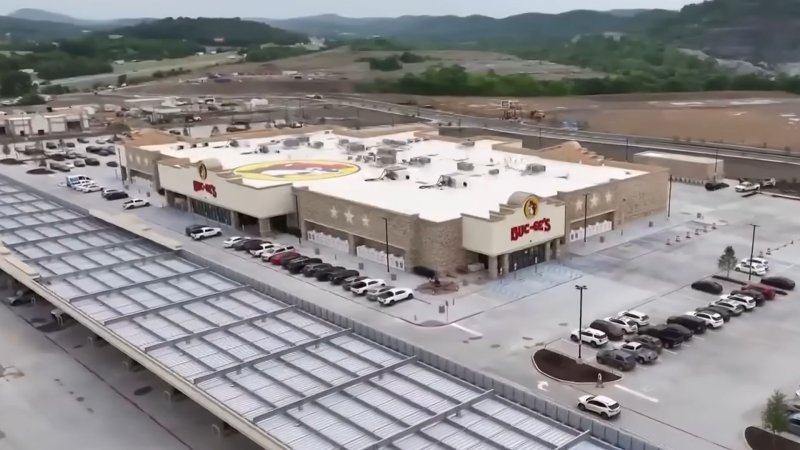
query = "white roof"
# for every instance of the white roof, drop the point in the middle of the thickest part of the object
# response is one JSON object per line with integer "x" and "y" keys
{"x": 483, "y": 193}
{"x": 677, "y": 157}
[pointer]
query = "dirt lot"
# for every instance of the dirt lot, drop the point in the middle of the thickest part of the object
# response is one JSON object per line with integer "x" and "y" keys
{"x": 343, "y": 63}
{"x": 749, "y": 118}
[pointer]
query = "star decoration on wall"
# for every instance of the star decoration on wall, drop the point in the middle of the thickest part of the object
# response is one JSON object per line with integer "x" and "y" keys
{"x": 609, "y": 197}
{"x": 334, "y": 212}
{"x": 579, "y": 205}
{"x": 593, "y": 200}
{"x": 365, "y": 221}
{"x": 349, "y": 216}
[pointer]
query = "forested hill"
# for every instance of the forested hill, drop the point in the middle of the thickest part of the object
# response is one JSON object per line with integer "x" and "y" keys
{"x": 212, "y": 31}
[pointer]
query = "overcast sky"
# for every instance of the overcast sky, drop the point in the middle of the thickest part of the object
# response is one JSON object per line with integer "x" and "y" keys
{"x": 108, "y": 9}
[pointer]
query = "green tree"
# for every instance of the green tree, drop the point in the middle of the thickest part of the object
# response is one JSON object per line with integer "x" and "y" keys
{"x": 122, "y": 79}
{"x": 773, "y": 417}
{"x": 6, "y": 150}
{"x": 15, "y": 83}
{"x": 31, "y": 99}
{"x": 727, "y": 261}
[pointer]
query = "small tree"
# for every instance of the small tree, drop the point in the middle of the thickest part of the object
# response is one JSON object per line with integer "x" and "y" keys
{"x": 773, "y": 417}
{"x": 727, "y": 261}
{"x": 6, "y": 150}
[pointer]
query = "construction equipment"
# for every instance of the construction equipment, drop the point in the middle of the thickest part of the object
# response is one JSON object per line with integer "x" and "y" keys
{"x": 538, "y": 115}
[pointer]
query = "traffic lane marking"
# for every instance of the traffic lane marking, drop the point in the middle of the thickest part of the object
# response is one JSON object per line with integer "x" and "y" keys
{"x": 636, "y": 393}
{"x": 465, "y": 329}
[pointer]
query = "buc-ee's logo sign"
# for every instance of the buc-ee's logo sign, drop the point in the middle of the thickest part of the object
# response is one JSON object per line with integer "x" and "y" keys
{"x": 198, "y": 186}
{"x": 531, "y": 210}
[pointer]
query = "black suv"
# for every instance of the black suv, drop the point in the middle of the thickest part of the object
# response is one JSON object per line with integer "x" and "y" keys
{"x": 614, "y": 331}
{"x": 694, "y": 324}
{"x": 617, "y": 359}
{"x": 346, "y": 285}
{"x": 669, "y": 335}
{"x": 298, "y": 265}
{"x": 341, "y": 277}
{"x": 193, "y": 229}
{"x": 312, "y": 270}
{"x": 326, "y": 274}
{"x": 757, "y": 296}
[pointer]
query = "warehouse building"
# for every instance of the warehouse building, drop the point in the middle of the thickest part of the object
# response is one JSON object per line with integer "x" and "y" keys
{"x": 437, "y": 202}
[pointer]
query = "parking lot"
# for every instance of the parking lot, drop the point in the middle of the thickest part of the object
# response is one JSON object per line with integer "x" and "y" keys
{"x": 732, "y": 370}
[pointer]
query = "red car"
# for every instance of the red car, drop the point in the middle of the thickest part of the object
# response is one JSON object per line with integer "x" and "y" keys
{"x": 280, "y": 257}
{"x": 768, "y": 292}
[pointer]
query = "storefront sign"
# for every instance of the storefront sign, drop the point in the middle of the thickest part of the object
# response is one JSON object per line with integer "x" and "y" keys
{"x": 541, "y": 225}
{"x": 199, "y": 186}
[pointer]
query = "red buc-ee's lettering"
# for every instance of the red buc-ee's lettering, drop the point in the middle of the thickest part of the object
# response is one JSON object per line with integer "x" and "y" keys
{"x": 519, "y": 231}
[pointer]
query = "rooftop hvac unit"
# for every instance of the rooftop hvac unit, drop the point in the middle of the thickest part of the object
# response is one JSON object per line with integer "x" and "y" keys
{"x": 303, "y": 139}
{"x": 468, "y": 143}
{"x": 534, "y": 169}
{"x": 386, "y": 151}
{"x": 355, "y": 147}
{"x": 387, "y": 159}
{"x": 317, "y": 144}
{"x": 344, "y": 141}
{"x": 263, "y": 148}
{"x": 465, "y": 166}
{"x": 394, "y": 142}
{"x": 291, "y": 143}
{"x": 419, "y": 161}
{"x": 494, "y": 171}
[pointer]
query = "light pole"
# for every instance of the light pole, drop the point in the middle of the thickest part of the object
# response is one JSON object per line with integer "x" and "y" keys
{"x": 752, "y": 249}
{"x": 581, "y": 288}
{"x": 716, "y": 157}
{"x": 669, "y": 200}
{"x": 585, "y": 216}
{"x": 386, "y": 229}
{"x": 297, "y": 216}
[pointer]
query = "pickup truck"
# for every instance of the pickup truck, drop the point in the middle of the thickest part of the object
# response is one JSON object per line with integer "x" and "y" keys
{"x": 642, "y": 354}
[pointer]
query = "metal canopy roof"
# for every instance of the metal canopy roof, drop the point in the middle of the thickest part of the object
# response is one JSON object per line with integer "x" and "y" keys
{"x": 305, "y": 382}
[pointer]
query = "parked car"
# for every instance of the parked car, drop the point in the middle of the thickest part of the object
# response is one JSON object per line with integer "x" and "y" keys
{"x": 591, "y": 336}
{"x": 325, "y": 274}
{"x": 759, "y": 261}
{"x": 735, "y": 309}
{"x": 256, "y": 252}
{"x": 641, "y": 319}
{"x": 296, "y": 266}
{"x": 70, "y": 144}
{"x": 748, "y": 303}
{"x": 757, "y": 296}
{"x": 233, "y": 240}
{"x": 21, "y": 297}
{"x": 248, "y": 244}
{"x": 747, "y": 186}
{"x": 348, "y": 283}
{"x": 724, "y": 313}
{"x": 779, "y": 282}
{"x": 267, "y": 254}
{"x": 712, "y": 319}
{"x": 79, "y": 163}
{"x": 694, "y": 324}
{"x": 135, "y": 203}
{"x": 93, "y": 149}
{"x": 372, "y": 293}
{"x": 618, "y": 359}
{"x": 793, "y": 425}
{"x": 668, "y": 336}
{"x": 708, "y": 286}
{"x": 51, "y": 145}
{"x": 101, "y": 141}
{"x": 280, "y": 258}
{"x": 605, "y": 407}
{"x": 91, "y": 162}
{"x": 769, "y": 182}
{"x": 395, "y": 295}
{"x": 361, "y": 287}
{"x": 114, "y": 195}
{"x": 649, "y": 342}
{"x": 91, "y": 188}
{"x": 311, "y": 270}
{"x": 628, "y": 325}
{"x": 767, "y": 291}
{"x": 192, "y": 228}
{"x": 640, "y": 352}
{"x": 83, "y": 141}
{"x": 755, "y": 269}
{"x": 343, "y": 276}
{"x": 206, "y": 232}
{"x": 613, "y": 331}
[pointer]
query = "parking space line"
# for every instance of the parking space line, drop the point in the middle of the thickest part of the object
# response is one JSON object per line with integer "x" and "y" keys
{"x": 636, "y": 393}
{"x": 463, "y": 328}
{"x": 700, "y": 338}
{"x": 672, "y": 352}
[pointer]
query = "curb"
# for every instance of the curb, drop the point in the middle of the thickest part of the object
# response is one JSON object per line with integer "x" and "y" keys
{"x": 580, "y": 383}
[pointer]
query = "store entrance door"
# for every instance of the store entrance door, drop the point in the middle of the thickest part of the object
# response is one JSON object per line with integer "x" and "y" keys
{"x": 525, "y": 258}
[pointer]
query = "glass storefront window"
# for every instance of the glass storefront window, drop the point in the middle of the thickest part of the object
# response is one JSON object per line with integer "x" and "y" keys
{"x": 213, "y": 212}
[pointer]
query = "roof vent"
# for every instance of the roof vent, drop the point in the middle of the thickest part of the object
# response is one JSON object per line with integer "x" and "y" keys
{"x": 303, "y": 139}
{"x": 394, "y": 142}
{"x": 533, "y": 168}
{"x": 419, "y": 160}
{"x": 344, "y": 141}
{"x": 355, "y": 147}
{"x": 317, "y": 144}
{"x": 494, "y": 171}
{"x": 468, "y": 143}
{"x": 291, "y": 143}
{"x": 386, "y": 151}
{"x": 387, "y": 159}
{"x": 465, "y": 166}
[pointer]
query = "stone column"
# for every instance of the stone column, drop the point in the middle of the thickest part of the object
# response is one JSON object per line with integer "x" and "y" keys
{"x": 493, "y": 267}
{"x": 235, "y": 219}
{"x": 351, "y": 244}
{"x": 504, "y": 263}
{"x": 546, "y": 251}
{"x": 555, "y": 246}
{"x": 264, "y": 227}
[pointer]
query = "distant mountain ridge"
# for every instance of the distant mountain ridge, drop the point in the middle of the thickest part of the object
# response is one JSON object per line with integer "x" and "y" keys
{"x": 48, "y": 16}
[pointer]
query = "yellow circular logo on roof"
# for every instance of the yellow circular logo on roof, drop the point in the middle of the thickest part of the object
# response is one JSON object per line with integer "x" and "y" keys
{"x": 298, "y": 170}
{"x": 531, "y": 207}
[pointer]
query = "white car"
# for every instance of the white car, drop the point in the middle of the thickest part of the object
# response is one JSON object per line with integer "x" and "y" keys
{"x": 768, "y": 182}
{"x": 713, "y": 320}
{"x": 206, "y": 232}
{"x": 735, "y": 308}
{"x": 276, "y": 250}
{"x": 91, "y": 188}
{"x": 601, "y": 405}
{"x": 627, "y": 324}
{"x": 756, "y": 261}
{"x": 591, "y": 336}
{"x": 256, "y": 252}
{"x": 79, "y": 184}
{"x": 84, "y": 187}
{"x": 233, "y": 240}
{"x": 748, "y": 303}
{"x": 639, "y": 318}
{"x": 395, "y": 295}
{"x": 755, "y": 269}
{"x": 135, "y": 203}
{"x": 747, "y": 186}
{"x": 363, "y": 286}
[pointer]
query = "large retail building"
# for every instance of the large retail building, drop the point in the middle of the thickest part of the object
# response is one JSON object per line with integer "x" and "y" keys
{"x": 438, "y": 202}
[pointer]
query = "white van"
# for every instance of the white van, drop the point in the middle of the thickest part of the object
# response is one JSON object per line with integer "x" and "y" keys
{"x": 74, "y": 180}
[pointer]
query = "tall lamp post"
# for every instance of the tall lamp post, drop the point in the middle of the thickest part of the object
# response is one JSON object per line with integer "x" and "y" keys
{"x": 581, "y": 288}
{"x": 585, "y": 216}
{"x": 386, "y": 229}
{"x": 669, "y": 199}
{"x": 752, "y": 249}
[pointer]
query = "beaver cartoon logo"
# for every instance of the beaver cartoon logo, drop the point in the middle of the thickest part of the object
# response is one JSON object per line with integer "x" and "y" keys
{"x": 202, "y": 171}
{"x": 531, "y": 207}
{"x": 301, "y": 170}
